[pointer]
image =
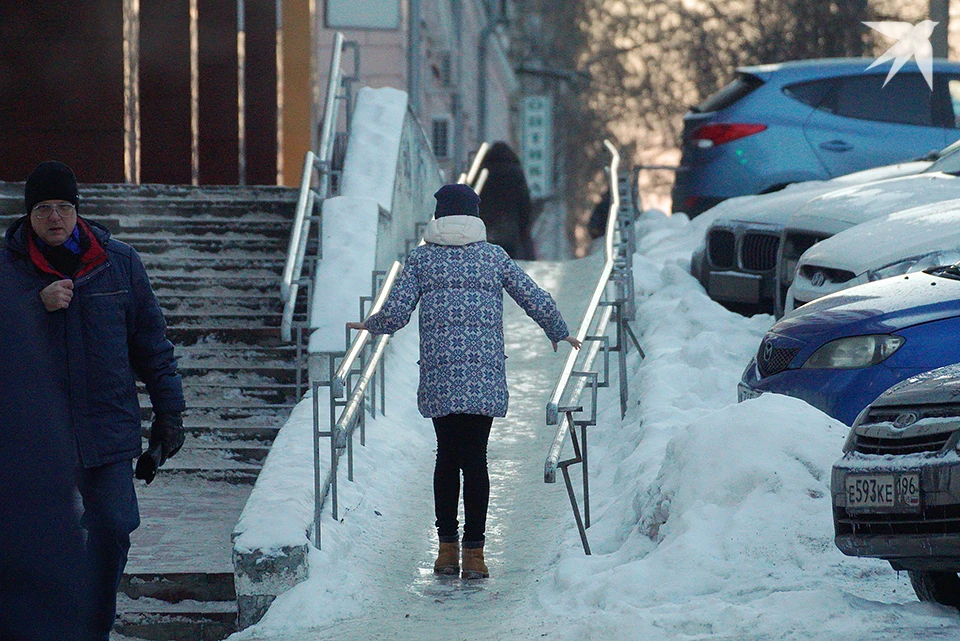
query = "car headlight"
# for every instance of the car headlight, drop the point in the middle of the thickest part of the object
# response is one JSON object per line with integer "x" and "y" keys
{"x": 854, "y": 351}
{"x": 914, "y": 264}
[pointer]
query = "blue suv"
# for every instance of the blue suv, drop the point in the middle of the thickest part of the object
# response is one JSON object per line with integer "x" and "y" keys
{"x": 811, "y": 120}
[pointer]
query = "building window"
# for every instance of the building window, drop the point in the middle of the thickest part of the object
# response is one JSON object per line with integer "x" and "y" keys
{"x": 440, "y": 138}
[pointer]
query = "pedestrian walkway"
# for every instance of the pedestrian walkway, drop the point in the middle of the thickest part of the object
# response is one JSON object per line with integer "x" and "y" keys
{"x": 526, "y": 518}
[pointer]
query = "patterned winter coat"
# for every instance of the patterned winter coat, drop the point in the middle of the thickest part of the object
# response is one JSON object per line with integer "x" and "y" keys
{"x": 458, "y": 278}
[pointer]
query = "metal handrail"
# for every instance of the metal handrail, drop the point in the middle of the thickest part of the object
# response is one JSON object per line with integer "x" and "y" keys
{"x": 556, "y": 448}
{"x": 321, "y": 162}
{"x": 613, "y": 292}
{"x": 554, "y": 403}
{"x": 340, "y": 378}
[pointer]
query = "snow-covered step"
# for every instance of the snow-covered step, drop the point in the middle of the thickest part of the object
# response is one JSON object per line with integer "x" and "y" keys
{"x": 129, "y": 229}
{"x": 216, "y": 317}
{"x": 191, "y": 334}
{"x": 153, "y": 619}
{"x": 250, "y": 392}
{"x": 218, "y": 283}
{"x": 171, "y": 297}
{"x": 206, "y": 266}
{"x": 208, "y": 445}
{"x": 206, "y": 243}
{"x": 281, "y": 374}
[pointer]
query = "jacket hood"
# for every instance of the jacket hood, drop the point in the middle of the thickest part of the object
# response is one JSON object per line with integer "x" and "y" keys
{"x": 455, "y": 230}
{"x": 17, "y": 240}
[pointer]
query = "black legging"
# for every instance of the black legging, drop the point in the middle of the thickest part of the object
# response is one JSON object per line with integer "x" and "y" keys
{"x": 461, "y": 445}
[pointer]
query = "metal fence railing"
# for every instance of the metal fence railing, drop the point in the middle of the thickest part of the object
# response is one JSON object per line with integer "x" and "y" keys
{"x": 612, "y": 299}
{"x": 353, "y": 383}
{"x": 316, "y": 184}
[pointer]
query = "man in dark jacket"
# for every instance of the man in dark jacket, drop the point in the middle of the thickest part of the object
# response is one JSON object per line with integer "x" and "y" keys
{"x": 87, "y": 306}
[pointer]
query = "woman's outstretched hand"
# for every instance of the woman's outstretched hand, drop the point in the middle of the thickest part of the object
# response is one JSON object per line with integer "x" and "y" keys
{"x": 570, "y": 339}
{"x": 353, "y": 325}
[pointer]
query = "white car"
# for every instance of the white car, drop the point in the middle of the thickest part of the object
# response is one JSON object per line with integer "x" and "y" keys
{"x": 736, "y": 263}
{"x": 839, "y": 210}
{"x": 905, "y": 241}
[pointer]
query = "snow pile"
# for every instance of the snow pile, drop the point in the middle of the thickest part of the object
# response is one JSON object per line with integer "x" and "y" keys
{"x": 713, "y": 519}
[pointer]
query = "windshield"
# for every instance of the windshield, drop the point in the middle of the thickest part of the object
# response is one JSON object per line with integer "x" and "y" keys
{"x": 948, "y": 161}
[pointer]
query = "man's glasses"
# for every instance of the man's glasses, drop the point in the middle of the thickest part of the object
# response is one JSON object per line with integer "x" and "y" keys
{"x": 45, "y": 210}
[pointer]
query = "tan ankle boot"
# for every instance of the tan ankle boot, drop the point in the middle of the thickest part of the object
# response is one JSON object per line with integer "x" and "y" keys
{"x": 448, "y": 560}
{"x": 473, "y": 565}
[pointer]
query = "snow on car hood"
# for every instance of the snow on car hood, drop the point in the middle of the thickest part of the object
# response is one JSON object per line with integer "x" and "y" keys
{"x": 880, "y": 307}
{"x": 890, "y": 239}
{"x": 840, "y": 209}
{"x": 937, "y": 386}
{"x": 776, "y": 208}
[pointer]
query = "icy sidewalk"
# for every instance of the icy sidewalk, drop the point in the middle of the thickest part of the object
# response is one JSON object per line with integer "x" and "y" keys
{"x": 373, "y": 577}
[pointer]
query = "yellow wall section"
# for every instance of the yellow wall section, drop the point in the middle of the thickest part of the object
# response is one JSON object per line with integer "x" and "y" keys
{"x": 297, "y": 100}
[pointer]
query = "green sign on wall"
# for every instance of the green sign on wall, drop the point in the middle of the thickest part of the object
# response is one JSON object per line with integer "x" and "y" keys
{"x": 363, "y": 14}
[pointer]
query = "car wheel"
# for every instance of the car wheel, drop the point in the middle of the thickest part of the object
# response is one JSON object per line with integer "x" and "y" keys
{"x": 936, "y": 587}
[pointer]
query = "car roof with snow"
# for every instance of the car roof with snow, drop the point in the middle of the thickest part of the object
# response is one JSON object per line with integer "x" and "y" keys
{"x": 777, "y": 207}
{"x": 840, "y": 209}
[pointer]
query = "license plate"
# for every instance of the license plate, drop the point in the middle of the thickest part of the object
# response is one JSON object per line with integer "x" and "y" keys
{"x": 885, "y": 491}
{"x": 745, "y": 393}
{"x": 734, "y": 287}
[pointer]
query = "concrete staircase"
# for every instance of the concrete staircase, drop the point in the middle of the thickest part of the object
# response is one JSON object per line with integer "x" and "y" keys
{"x": 215, "y": 257}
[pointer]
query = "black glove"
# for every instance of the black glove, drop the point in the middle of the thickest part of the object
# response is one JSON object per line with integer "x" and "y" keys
{"x": 166, "y": 439}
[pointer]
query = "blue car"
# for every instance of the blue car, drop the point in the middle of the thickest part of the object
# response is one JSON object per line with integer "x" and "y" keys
{"x": 840, "y": 352}
{"x": 810, "y": 120}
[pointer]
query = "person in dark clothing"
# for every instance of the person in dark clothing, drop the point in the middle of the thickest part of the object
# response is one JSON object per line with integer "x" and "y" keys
{"x": 87, "y": 307}
{"x": 42, "y": 572}
{"x": 597, "y": 226}
{"x": 458, "y": 280}
{"x": 506, "y": 210}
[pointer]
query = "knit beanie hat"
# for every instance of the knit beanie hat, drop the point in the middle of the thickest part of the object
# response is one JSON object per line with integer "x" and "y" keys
{"x": 51, "y": 180}
{"x": 456, "y": 200}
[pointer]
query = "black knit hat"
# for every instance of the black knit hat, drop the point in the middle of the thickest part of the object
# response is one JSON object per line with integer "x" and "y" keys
{"x": 456, "y": 200}
{"x": 51, "y": 180}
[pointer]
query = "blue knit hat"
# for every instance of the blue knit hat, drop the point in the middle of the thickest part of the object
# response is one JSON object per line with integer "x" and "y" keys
{"x": 456, "y": 200}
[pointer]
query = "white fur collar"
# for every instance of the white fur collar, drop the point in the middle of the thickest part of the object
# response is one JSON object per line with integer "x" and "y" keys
{"x": 455, "y": 230}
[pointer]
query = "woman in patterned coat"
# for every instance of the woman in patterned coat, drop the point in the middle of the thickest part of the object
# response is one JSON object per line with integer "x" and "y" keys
{"x": 458, "y": 279}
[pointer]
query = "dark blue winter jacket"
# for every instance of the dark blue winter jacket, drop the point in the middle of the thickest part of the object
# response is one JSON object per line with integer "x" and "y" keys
{"x": 112, "y": 333}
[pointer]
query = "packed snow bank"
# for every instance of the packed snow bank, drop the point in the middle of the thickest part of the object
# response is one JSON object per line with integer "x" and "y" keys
{"x": 713, "y": 519}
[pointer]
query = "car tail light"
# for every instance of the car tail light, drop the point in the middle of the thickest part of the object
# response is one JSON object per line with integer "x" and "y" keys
{"x": 707, "y": 136}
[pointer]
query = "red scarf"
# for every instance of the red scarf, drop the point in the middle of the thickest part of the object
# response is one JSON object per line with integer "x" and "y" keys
{"x": 92, "y": 257}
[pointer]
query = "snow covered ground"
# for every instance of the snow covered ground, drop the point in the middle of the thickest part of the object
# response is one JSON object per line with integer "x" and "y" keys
{"x": 711, "y": 520}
